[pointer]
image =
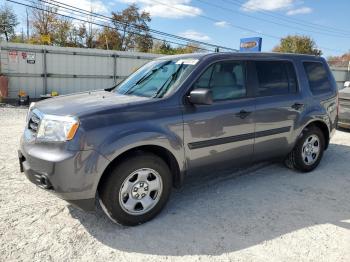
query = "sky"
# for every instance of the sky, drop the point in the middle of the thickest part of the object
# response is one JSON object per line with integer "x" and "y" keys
{"x": 225, "y": 22}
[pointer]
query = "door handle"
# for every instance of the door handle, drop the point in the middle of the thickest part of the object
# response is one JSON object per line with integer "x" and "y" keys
{"x": 297, "y": 106}
{"x": 243, "y": 114}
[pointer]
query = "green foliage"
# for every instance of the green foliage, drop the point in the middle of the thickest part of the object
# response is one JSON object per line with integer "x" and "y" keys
{"x": 108, "y": 39}
{"x": 133, "y": 28}
{"x": 163, "y": 47}
{"x": 8, "y": 21}
{"x": 130, "y": 31}
{"x": 298, "y": 44}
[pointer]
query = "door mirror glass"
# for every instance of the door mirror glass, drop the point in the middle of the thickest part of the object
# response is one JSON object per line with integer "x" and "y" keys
{"x": 201, "y": 96}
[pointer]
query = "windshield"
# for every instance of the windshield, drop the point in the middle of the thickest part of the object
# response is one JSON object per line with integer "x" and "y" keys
{"x": 157, "y": 78}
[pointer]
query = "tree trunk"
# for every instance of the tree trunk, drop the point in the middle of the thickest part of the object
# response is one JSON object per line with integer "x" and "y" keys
{"x": 6, "y": 35}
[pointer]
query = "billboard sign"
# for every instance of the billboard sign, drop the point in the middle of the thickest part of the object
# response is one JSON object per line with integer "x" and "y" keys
{"x": 251, "y": 44}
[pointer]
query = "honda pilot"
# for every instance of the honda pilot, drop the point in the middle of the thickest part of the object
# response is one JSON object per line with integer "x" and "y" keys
{"x": 129, "y": 145}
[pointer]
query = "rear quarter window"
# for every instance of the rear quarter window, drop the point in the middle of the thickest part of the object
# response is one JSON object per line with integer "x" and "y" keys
{"x": 318, "y": 77}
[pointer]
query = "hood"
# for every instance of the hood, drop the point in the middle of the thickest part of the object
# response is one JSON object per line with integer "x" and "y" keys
{"x": 83, "y": 103}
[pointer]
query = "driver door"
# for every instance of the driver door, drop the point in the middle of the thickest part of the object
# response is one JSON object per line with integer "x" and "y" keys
{"x": 221, "y": 135}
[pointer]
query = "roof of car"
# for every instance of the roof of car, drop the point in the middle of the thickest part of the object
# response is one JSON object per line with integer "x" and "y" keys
{"x": 241, "y": 54}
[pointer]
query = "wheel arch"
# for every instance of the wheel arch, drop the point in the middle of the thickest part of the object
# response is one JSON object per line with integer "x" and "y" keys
{"x": 323, "y": 127}
{"x": 157, "y": 150}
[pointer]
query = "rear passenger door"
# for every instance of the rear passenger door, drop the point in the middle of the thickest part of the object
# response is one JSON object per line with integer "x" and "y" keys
{"x": 279, "y": 104}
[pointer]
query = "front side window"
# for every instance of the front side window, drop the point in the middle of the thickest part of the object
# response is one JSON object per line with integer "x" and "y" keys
{"x": 275, "y": 78}
{"x": 318, "y": 77}
{"x": 225, "y": 79}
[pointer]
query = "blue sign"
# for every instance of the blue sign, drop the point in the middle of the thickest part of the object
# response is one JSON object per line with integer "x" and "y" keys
{"x": 251, "y": 44}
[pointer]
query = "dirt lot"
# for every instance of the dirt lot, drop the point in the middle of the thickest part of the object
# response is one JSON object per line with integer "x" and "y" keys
{"x": 265, "y": 213}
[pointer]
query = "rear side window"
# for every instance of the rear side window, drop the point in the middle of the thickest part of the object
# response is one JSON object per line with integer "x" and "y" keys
{"x": 275, "y": 78}
{"x": 318, "y": 77}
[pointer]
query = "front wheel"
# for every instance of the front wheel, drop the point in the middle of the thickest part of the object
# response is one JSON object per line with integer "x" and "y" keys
{"x": 308, "y": 150}
{"x": 136, "y": 190}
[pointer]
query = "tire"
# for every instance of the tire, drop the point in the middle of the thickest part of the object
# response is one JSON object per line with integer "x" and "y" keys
{"x": 128, "y": 195}
{"x": 302, "y": 158}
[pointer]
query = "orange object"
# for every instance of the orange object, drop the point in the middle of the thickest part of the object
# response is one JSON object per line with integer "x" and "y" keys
{"x": 22, "y": 93}
{"x": 72, "y": 131}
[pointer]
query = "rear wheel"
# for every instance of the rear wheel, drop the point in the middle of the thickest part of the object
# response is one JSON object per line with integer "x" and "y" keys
{"x": 136, "y": 190}
{"x": 308, "y": 151}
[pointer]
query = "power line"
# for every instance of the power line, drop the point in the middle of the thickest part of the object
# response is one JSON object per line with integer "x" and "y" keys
{"x": 203, "y": 16}
{"x": 217, "y": 20}
{"x": 269, "y": 21}
{"x": 97, "y": 24}
{"x": 100, "y": 16}
{"x": 288, "y": 19}
{"x": 240, "y": 27}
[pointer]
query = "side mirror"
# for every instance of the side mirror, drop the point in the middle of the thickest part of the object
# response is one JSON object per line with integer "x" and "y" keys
{"x": 201, "y": 96}
{"x": 347, "y": 84}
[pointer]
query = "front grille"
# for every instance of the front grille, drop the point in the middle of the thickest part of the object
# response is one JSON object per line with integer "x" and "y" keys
{"x": 33, "y": 123}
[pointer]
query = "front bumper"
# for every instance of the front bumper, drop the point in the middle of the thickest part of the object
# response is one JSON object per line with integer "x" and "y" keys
{"x": 344, "y": 116}
{"x": 71, "y": 175}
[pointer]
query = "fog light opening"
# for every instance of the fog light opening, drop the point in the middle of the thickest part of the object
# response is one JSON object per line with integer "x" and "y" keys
{"x": 45, "y": 183}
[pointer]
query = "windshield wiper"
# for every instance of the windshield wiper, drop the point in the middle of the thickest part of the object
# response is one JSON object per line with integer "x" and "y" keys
{"x": 167, "y": 82}
{"x": 145, "y": 77}
{"x": 109, "y": 89}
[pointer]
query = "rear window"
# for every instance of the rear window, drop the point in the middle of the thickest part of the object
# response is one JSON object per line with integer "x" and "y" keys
{"x": 317, "y": 76}
{"x": 275, "y": 78}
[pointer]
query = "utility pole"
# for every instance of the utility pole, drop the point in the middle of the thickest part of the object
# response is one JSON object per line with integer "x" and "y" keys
{"x": 106, "y": 41}
{"x": 27, "y": 24}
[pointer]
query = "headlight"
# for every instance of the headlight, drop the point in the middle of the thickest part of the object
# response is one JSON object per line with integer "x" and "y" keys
{"x": 57, "y": 128}
{"x": 32, "y": 104}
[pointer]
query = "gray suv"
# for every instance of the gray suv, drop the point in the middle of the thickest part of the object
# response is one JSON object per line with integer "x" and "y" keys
{"x": 129, "y": 145}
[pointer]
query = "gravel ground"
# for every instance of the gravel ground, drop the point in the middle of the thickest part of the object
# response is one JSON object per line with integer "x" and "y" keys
{"x": 264, "y": 213}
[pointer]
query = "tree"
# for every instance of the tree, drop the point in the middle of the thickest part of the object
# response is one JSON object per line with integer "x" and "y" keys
{"x": 61, "y": 36}
{"x": 298, "y": 44}
{"x": 44, "y": 22}
{"x": 144, "y": 42}
{"x": 189, "y": 48}
{"x": 133, "y": 28}
{"x": 47, "y": 23}
{"x": 163, "y": 47}
{"x": 340, "y": 61}
{"x": 87, "y": 35}
{"x": 8, "y": 21}
{"x": 108, "y": 39}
